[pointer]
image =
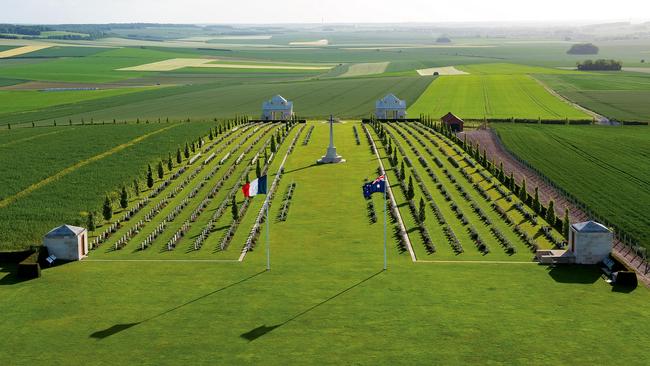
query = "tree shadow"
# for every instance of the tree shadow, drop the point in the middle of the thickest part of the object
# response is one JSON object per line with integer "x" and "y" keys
{"x": 262, "y": 330}
{"x": 574, "y": 273}
{"x": 104, "y": 333}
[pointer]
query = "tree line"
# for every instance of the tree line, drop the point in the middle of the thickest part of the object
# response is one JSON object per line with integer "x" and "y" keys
{"x": 600, "y": 65}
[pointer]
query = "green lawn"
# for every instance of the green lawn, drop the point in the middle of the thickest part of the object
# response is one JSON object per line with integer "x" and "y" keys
{"x": 605, "y": 167}
{"x": 491, "y": 96}
{"x": 325, "y": 300}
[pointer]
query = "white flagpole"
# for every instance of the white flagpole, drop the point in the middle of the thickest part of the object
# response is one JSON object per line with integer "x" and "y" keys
{"x": 385, "y": 188}
{"x": 268, "y": 246}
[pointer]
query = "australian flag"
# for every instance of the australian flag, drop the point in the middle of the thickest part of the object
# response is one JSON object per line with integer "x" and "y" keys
{"x": 378, "y": 185}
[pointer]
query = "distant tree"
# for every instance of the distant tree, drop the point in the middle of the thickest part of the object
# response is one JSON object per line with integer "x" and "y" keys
{"x": 410, "y": 193}
{"x": 179, "y": 158}
{"x": 422, "y": 211}
{"x": 550, "y": 213}
{"x": 193, "y": 147}
{"x": 600, "y": 65}
{"x": 90, "y": 222}
{"x": 536, "y": 204}
{"x": 124, "y": 198}
{"x": 583, "y": 49}
{"x": 170, "y": 164}
{"x": 107, "y": 210}
{"x": 258, "y": 170}
{"x": 210, "y": 136}
{"x": 443, "y": 40}
{"x": 149, "y": 176}
{"x": 161, "y": 170}
{"x": 566, "y": 224}
{"x": 235, "y": 210}
{"x": 136, "y": 188}
{"x": 187, "y": 151}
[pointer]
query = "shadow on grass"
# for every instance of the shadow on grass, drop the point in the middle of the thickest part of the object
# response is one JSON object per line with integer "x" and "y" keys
{"x": 101, "y": 334}
{"x": 262, "y": 330}
{"x": 572, "y": 273}
{"x": 301, "y": 168}
{"x": 8, "y": 274}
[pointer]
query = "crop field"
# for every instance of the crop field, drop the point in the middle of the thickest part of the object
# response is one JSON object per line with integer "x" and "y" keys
{"x": 492, "y": 96}
{"x": 606, "y": 168}
{"x": 348, "y": 98}
{"x": 326, "y": 270}
{"x": 617, "y": 96}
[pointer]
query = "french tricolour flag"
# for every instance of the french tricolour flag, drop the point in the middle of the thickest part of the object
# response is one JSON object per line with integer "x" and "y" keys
{"x": 257, "y": 186}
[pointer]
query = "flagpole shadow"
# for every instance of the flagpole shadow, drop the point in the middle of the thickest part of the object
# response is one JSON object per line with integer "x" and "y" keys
{"x": 101, "y": 334}
{"x": 262, "y": 330}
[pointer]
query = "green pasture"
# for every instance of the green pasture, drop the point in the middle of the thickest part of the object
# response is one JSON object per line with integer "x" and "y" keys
{"x": 491, "y": 96}
{"x": 604, "y": 167}
{"x": 325, "y": 300}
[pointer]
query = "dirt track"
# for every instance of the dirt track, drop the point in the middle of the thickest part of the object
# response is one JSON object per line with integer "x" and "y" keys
{"x": 496, "y": 153}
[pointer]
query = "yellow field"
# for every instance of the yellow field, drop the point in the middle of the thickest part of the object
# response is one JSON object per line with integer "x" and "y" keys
{"x": 179, "y": 63}
{"x": 320, "y": 42}
{"x": 446, "y": 70}
{"x": 22, "y": 50}
{"x": 369, "y": 68}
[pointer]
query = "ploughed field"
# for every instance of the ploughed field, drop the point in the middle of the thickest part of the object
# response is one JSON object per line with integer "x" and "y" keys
{"x": 326, "y": 294}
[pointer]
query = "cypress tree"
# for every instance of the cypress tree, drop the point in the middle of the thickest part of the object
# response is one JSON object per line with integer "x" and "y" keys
{"x": 107, "y": 210}
{"x": 273, "y": 145}
{"x": 210, "y": 135}
{"x": 258, "y": 170}
{"x": 566, "y": 223}
{"x": 401, "y": 171}
{"x": 522, "y": 191}
{"x": 179, "y": 158}
{"x": 161, "y": 170}
{"x": 484, "y": 158}
{"x": 422, "y": 212}
{"x": 511, "y": 182}
{"x": 187, "y": 151}
{"x": 235, "y": 211}
{"x": 536, "y": 204}
{"x": 91, "y": 221}
{"x": 550, "y": 213}
{"x": 170, "y": 165}
{"x": 410, "y": 193}
{"x": 149, "y": 176}
{"x": 124, "y": 198}
{"x": 395, "y": 156}
{"x": 136, "y": 187}
{"x": 193, "y": 147}
{"x": 266, "y": 156}
{"x": 502, "y": 175}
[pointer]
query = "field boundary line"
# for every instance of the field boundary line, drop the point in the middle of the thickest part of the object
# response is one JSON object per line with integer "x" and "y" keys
{"x": 472, "y": 262}
{"x": 392, "y": 198}
{"x": 9, "y": 200}
{"x": 164, "y": 260}
{"x": 599, "y": 117}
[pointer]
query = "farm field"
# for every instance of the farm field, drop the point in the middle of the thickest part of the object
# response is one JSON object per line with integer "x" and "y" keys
{"x": 617, "y": 96}
{"x": 325, "y": 293}
{"x": 604, "y": 167}
{"x": 491, "y": 96}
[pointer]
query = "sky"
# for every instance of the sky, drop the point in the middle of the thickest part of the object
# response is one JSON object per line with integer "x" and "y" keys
{"x": 309, "y": 11}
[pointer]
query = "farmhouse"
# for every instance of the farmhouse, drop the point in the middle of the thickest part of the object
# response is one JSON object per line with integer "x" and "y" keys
{"x": 67, "y": 242}
{"x": 277, "y": 109}
{"x": 390, "y": 107}
{"x": 453, "y": 122}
